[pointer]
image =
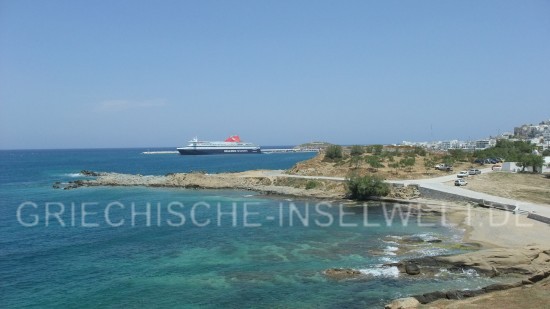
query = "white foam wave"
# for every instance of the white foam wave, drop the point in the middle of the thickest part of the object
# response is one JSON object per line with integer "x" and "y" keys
{"x": 387, "y": 259}
{"x": 469, "y": 273}
{"x": 73, "y": 175}
{"x": 381, "y": 271}
{"x": 430, "y": 251}
{"x": 443, "y": 272}
{"x": 390, "y": 250}
{"x": 426, "y": 236}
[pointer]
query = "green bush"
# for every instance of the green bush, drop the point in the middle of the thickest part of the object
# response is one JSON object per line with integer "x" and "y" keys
{"x": 458, "y": 155}
{"x": 356, "y": 150}
{"x": 377, "y": 149}
{"x": 311, "y": 184}
{"x": 532, "y": 160}
{"x": 407, "y": 163}
{"x": 333, "y": 152}
{"x": 375, "y": 162}
{"x": 509, "y": 150}
{"x": 365, "y": 187}
{"x": 420, "y": 151}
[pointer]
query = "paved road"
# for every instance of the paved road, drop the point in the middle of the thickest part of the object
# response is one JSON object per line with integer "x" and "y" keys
{"x": 280, "y": 173}
{"x": 438, "y": 184}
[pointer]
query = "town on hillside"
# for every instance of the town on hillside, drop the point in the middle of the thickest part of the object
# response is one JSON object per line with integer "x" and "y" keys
{"x": 538, "y": 135}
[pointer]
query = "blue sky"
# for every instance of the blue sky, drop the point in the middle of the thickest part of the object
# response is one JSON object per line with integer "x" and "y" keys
{"x": 84, "y": 74}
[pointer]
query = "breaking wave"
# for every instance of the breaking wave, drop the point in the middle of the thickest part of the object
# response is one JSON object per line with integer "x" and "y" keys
{"x": 381, "y": 271}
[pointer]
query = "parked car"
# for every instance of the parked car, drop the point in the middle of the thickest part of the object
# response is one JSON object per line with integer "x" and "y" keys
{"x": 444, "y": 167}
{"x": 462, "y": 174}
{"x": 474, "y": 171}
{"x": 479, "y": 161}
{"x": 496, "y": 167}
{"x": 460, "y": 182}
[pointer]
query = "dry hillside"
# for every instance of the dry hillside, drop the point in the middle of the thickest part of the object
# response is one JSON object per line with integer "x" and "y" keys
{"x": 319, "y": 166}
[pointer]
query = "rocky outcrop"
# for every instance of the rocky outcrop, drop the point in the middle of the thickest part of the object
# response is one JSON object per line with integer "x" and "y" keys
{"x": 68, "y": 185}
{"x": 412, "y": 269}
{"x": 526, "y": 261}
{"x": 403, "y": 303}
{"x": 404, "y": 192}
{"x": 532, "y": 261}
{"x": 462, "y": 294}
{"x": 239, "y": 181}
{"x": 342, "y": 273}
{"x": 90, "y": 173}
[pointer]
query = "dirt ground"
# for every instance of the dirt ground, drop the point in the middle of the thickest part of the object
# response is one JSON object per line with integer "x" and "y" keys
{"x": 533, "y": 188}
{"x": 318, "y": 167}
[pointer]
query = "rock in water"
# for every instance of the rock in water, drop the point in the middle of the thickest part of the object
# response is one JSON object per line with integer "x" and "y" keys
{"x": 434, "y": 241}
{"x": 412, "y": 269}
{"x": 403, "y": 303}
{"x": 412, "y": 239}
{"x": 430, "y": 297}
{"x": 89, "y": 173}
{"x": 342, "y": 273}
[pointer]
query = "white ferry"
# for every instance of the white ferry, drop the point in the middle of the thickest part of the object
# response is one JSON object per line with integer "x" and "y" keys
{"x": 232, "y": 145}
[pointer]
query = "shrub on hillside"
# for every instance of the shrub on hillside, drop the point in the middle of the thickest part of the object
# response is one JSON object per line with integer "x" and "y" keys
{"x": 333, "y": 152}
{"x": 311, "y": 184}
{"x": 420, "y": 151}
{"x": 356, "y": 150}
{"x": 365, "y": 187}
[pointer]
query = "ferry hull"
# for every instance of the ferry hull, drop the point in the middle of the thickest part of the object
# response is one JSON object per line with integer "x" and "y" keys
{"x": 183, "y": 151}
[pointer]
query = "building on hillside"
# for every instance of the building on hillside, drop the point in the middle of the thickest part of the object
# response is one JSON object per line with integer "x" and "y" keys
{"x": 514, "y": 168}
{"x": 506, "y": 135}
{"x": 546, "y": 139}
{"x": 482, "y": 144}
{"x": 527, "y": 131}
{"x": 446, "y": 145}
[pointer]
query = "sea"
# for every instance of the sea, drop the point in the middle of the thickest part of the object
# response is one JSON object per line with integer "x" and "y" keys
{"x": 129, "y": 247}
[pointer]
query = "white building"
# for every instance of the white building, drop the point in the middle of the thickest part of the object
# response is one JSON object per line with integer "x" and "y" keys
{"x": 514, "y": 168}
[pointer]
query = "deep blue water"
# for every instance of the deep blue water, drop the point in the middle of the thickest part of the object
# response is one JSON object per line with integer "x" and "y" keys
{"x": 179, "y": 251}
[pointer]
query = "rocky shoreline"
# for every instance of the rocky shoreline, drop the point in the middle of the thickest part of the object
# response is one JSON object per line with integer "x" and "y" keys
{"x": 251, "y": 180}
{"x": 531, "y": 264}
{"x": 527, "y": 264}
{"x": 236, "y": 181}
{"x": 518, "y": 267}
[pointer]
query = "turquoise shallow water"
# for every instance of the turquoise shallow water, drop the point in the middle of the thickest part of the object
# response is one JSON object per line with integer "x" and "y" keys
{"x": 201, "y": 260}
